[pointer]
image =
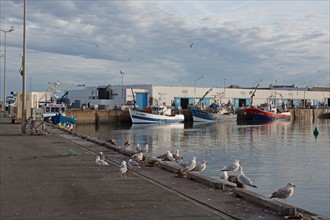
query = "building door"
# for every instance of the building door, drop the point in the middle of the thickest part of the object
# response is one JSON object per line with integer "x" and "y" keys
{"x": 184, "y": 103}
{"x": 142, "y": 100}
{"x": 241, "y": 102}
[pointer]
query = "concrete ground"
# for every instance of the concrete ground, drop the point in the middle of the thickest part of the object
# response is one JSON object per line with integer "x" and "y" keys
{"x": 41, "y": 180}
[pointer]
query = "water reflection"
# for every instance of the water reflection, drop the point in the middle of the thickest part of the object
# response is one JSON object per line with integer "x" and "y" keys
{"x": 272, "y": 154}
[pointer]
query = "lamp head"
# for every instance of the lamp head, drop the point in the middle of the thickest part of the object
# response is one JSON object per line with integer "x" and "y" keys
{"x": 12, "y": 29}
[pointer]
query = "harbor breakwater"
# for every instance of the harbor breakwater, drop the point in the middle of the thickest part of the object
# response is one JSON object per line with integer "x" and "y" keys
{"x": 122, "y": 116}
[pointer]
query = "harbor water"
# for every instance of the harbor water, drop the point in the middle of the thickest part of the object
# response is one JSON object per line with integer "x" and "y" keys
{"x": 271, "y": 154}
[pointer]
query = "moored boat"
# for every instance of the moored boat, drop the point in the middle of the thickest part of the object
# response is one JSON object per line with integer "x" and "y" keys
{"x": 266, "y": 112}
{"x": 213, "y": 113}
{"x": 200, "y": 115}
{"x": 158, "y": 114}
{"x": 56, "y": 113}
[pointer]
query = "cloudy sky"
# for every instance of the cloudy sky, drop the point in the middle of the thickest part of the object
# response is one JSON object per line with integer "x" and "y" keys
{"x": 181, "y": 43}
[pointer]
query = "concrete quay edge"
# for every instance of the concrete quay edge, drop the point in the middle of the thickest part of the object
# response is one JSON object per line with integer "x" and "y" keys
{"x": 260, "y": 200}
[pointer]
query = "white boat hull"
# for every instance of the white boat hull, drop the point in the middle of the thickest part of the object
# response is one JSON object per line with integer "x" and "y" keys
{"x": 139, "y": 117}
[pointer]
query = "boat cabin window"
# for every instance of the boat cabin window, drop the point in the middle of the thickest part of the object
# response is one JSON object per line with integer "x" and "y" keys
{"x": 62, "y": 109}
{"x": 55, "y": 110}
{"x": 47, "y": 109}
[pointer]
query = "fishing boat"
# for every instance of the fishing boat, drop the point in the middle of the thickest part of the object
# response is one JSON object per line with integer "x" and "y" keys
{"x": 200, "y": 115}
{"x": 266, "y": 112}
{"x": 56, "y": 113}
{"x": 213, "y": 113}
{"x": 156, "y": 114}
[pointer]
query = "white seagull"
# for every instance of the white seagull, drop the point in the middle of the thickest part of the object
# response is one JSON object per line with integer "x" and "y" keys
{"x": 200, "y": 167}
{"x": 102, "y": 156}
{"x": 190, "y": 166}
{"x": 137, "y": 157}
{"x": 169, "y": 156}
{"x": 100, "y": 162}
{"x": 123, "y": 168}
{"x": 223, "y": 174}
{"x": 177, "y": 156}
{"x": 137, "y": 148}
{"x": 145, "y": 149}
{"x": 244, "y": 180}
{"x": 232, "y": 167}
{"x": 284, "y": 192}
{"x": 133, "y": 164}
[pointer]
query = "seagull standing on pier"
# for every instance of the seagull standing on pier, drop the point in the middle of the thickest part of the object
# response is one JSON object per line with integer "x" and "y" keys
{"x": 177, "y": 156}
{"x": 169, "y": 156}
{"x": 100, "y": 162}
{"x": 137, "y": 148}
{"x": 137, "y": 157}
{"x": 133, "y": 164}
{"x": 232, "y": 167}
{"x": 244, "y": 180}
{"x": 145, "y": 149}
{"x": 102, "y": 156}
{"x": 190, "y": 166}
{"x": 223, "y": 174}
{"x": 200, "y": 167}
{"x": 123, "y": 168}
{"x": 284, "y": 192}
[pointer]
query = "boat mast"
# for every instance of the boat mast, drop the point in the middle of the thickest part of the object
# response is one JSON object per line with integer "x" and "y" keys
{"x": 253, "y": 94}
{"x": 201, "y": 99}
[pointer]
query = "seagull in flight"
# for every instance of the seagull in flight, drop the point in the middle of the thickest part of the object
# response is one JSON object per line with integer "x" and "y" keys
{"x": 191, "y": 45}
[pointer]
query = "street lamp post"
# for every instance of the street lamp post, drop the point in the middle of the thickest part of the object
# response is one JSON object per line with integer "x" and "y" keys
{"x": 4, "y": 68}
{"x": 122, "y": 87}
{"x": 201, "y": 77}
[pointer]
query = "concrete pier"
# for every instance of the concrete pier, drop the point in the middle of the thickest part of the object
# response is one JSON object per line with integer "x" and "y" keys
{"x": 41, "y": 178}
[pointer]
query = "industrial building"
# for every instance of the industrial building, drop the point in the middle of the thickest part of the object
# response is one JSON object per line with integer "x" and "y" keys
{"x": 123, "y": 96}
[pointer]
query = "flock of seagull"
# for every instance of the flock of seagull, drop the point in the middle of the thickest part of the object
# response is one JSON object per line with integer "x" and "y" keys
{"x": 236, "y": 170}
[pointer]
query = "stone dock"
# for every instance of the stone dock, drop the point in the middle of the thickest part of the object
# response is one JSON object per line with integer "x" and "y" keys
{"x": 55, "y": 177}
{"x": 115, "y": 116}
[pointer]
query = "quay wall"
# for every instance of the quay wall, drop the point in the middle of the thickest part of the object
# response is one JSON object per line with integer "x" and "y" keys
{"x": 309, "y": 114}
{"x": 99, "y": 116}
{"x": 114, "y": 116}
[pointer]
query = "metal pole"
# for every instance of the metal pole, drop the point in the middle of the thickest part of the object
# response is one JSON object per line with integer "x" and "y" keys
{"x": 122, "y": 87}
{"x": 24, "y": 72}
{"x": 4, "y": 68}
{"x": 4, "y": 76}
